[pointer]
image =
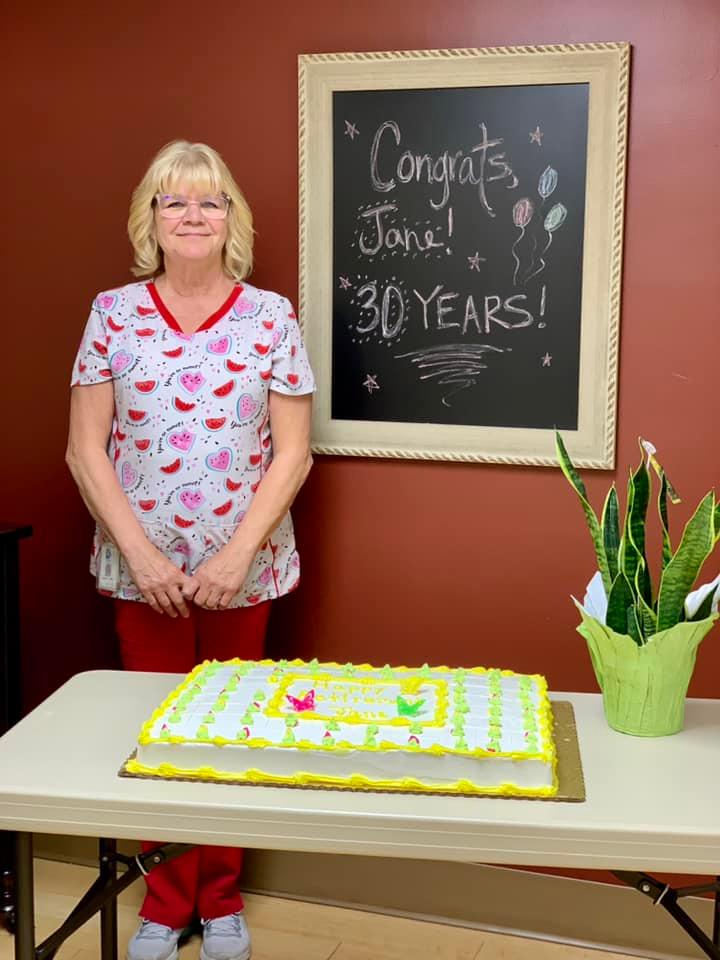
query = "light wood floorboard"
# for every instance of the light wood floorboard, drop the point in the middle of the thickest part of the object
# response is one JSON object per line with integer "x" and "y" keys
{"x": 289, "y": 929}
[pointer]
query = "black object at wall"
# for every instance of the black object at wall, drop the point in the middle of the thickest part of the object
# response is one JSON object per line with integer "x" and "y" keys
{"x": 10, "y": 685}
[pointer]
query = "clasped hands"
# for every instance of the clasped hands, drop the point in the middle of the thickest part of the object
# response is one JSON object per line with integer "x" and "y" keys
{"x": 168, "y": 590}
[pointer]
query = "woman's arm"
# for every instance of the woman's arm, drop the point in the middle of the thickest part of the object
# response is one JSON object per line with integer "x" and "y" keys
{"x": 220, "y": 578}
{"x": 91, "y": 416}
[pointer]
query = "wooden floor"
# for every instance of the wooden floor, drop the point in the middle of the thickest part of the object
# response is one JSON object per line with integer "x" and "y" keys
{"x": 289, "y": 929}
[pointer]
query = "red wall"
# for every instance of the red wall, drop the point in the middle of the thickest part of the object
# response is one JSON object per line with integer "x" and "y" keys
{"x": 403, "y": 561}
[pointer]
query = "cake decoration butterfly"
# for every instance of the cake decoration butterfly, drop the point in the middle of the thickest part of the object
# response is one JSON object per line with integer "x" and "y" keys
{"x": 305, "y": 703}
{"x": 407, "y": 709}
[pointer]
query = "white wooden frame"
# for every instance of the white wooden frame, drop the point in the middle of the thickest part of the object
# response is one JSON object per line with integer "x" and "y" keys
{"x": 605, "y": 67}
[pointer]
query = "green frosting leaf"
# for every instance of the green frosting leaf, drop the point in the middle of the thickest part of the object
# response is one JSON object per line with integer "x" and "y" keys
{"x": 407, "y": 709}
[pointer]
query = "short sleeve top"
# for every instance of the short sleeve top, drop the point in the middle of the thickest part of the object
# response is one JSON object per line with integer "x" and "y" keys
{"x": 191, "y": 438}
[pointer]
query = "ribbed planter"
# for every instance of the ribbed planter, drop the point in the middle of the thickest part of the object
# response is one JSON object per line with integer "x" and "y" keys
{"x": 644, "y": 687}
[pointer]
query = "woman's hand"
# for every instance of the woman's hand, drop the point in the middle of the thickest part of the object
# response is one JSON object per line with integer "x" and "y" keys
{"x": 161, "y": 583}
{"x": 217, "y": 581}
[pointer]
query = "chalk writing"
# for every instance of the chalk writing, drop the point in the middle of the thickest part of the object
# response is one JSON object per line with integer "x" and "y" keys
{"x": 457, "y": 229}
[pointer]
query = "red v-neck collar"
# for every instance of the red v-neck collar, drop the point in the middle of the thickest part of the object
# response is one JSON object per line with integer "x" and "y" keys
{"x": 211, "y": 320}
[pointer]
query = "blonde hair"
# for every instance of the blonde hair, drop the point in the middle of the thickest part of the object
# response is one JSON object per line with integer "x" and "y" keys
{"x": 202, "y": 167}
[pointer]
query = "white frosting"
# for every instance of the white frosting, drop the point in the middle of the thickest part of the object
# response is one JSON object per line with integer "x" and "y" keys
{"x": 436, "y": 726}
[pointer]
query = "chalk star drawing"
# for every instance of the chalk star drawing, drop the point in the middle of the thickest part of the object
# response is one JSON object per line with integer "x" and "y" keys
{"x": 371, "y": 383}
{"x": 474, "y": 262}
{"x": 547, "y": 360}
{"x": 536, "y": 136}
{"x": 351, "y": 130}
{"x": 345, "y": 283}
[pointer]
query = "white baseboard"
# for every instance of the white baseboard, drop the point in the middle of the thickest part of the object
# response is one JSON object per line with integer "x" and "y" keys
{"x": 547, "y": 907}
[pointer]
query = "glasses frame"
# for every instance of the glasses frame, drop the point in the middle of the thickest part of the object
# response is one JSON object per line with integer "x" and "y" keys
{"x": 164, "y": 215}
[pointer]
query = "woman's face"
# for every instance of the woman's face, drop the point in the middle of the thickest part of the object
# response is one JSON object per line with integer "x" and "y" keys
{"x": 193, "y": 237}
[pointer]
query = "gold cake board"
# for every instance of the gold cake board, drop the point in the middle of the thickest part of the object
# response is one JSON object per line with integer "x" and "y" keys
{"x": 571, "y": 783}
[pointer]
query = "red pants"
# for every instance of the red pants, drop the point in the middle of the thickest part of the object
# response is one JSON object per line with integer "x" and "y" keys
{"x": 204, "y": 881}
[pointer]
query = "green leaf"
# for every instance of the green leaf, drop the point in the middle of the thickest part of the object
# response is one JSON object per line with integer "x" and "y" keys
{"x": 611, "y": 531}
{"x": 717, "y": 522}
{"x": 634, "y": 532}
{"x": 662, "y": 509}
{"x": 592, "y": 521}
{"x": 637, "y": 513}
{"x": 619, "y": 599}
{"x": 646, "y": 614}
{"x": 678, "y": 577}
{"x": 666, "y": 490}
{"x": 633, "y": 626}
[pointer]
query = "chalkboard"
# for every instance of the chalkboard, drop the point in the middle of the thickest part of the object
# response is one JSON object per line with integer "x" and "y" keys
{"x": 458, "y": 217}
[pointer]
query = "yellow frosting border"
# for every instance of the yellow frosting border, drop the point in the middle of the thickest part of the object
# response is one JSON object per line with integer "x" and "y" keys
{"x": 355, "y": 782}
{"x": 547, "y": 752}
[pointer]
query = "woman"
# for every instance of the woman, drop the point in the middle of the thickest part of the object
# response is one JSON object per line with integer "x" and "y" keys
{"x": 189, "y": 439}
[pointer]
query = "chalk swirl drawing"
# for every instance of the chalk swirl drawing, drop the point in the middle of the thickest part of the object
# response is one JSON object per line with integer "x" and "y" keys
{"x": 453, "y": 364}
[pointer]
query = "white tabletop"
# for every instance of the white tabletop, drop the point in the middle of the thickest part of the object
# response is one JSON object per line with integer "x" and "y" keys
{"x": 652, "y": 804}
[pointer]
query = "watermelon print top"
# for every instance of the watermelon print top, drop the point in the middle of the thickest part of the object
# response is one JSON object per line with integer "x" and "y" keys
{"x": 190, "y": 436}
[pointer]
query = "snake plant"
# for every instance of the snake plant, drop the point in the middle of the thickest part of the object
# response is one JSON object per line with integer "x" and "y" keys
{"x": 634, "y": 607}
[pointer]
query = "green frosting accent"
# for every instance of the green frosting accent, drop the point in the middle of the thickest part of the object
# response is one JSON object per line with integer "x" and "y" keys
{"x": 243, "y": 735}
{"x": 248, "y": 716}
{"x": 258, "y": 695}
{"x": 202, "y": 732}
{"x": 164, "y": 732}
{"x": 494, "y": 744}
{"x": 328, "y": 741}
{"x": 415, "y": 728}
{"x": 424, "y": 671}
{"x": 289, "y": 736}
{"x": 291, "y": 721}
{"x": 209, "y": 717}
{"x": 333, "y": 725}
{"x": 386, "y": 673}
{"x": 460, "y": 743}
{"x": 349, "y": 670}
{"x": 407, "y": 709}
{"x": 370, "y": 734}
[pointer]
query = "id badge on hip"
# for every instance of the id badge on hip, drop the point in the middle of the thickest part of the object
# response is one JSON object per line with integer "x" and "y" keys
{"x": 108, "y": 567}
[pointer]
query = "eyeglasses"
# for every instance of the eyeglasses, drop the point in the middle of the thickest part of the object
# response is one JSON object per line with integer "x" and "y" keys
{"x": 173, "y": 206}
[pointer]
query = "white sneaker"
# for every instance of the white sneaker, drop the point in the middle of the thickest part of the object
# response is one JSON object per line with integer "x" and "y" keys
{"x": 154, "y": 941}
{"x": 225, "y": 938}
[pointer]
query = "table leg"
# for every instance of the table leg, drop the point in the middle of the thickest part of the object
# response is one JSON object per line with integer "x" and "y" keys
{"x": 7, "y": 881}
{"x": 108, "y": 912}
{"x": 25, "y": 898}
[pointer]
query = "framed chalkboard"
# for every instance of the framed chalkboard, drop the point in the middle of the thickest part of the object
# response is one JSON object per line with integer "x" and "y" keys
{"x": 461, "y": 238}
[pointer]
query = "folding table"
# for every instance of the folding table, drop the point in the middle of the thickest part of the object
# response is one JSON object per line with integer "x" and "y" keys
{"x": 652, "y": 805}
